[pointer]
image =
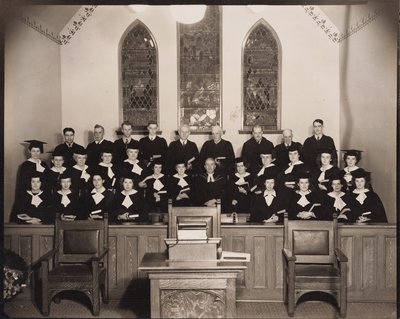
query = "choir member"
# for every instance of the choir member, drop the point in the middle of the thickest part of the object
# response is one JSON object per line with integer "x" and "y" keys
{"x": 240, "y": 188}
{"x": 268, "y": 205}
{"x": 133, "y": 164}
{"x": 304, "y": 202}
{"x": 183, "y": 150}
{"x": 95, "y": 148}
{"x": 80, "y": 173}
{"x": 252, "y": 149}
{"x": 33, "y": 205}
{"x": 68, "y": 148}
{"x": 121, "y": 145}
{"x": 128, "y": 203}
{"x": 313, "y": 144}
{"x": 364, "y": 203}
{"x": 32, "y": 165}
{"x": 211, "y": 186}
{"x": 282, "y": 150}
{"x": 351, "y": 158}
{"x": 326, "y": 171}
{"x": 337, "y": 201}
{"x": 109, "y": 170}
{"x": 65, "y": 200}
{"x": 220, "y": 150}
{"x": 55, "y": 172}
{"x": 156, "y": 189}
{"x": 99, "y": 200}
{"x": 152, "y": 146}
{"x": 267, "y": 167}
{"x": 181, "y": 186}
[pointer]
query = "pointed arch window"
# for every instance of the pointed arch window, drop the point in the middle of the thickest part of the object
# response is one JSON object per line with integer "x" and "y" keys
{"x": 139, "y": 76}
{"x": 261, "y": 78}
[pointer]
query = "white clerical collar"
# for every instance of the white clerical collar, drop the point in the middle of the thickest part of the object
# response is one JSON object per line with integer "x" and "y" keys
{"x": 32, "y": 194}
{"x": 335, "y": 195}
{"x": 132, "y": 162}
{"x": 99, "y": 142}
{"x": 131, "y": 192}
{"x": 359, "y": 191}
{"x": 295, "y": 163}
{"x": 106, "y": 165}
{"x": 101, "y": 190}
{"x": 157, "y": 177}
{"x": 79, "y": 168}
{"x": 302, "y": 193}
{"x": 56, "y": 170}
{"x": 179, "y": 176}
{"x": 350, "y": 169}
{"x": 66, "y": 193}
{"x": 34, "y": 161}
{"x": 323, "y": 169}
{"x": 244, "y": 175}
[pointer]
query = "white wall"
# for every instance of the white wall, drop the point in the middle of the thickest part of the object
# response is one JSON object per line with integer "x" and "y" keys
{"x": 32, "y": 98}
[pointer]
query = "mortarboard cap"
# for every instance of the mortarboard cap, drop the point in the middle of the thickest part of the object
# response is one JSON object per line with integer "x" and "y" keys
{"x": 294, "y": 147}
{"x": 267, "y": 151}
{"x": 56, "y": 152}
{"x": 66, "y": 174}
{"x": 133, "y": 145}
{"x": 97, "y": 171}
{"x": 108, "y": 150}
{"x": 303, "y": 174}
{"x": 326, "y": 151}
{"x": 352, "y": 152}
{"x": 129, "y": 175}
{"x": 35, "y": 143}
{"x": 269, "y": 175}
{"x": 157, "y": 161}
{"x": 180, "y": 161}
{"x": 80, "y": 151}
{"x": 361, "y": 173}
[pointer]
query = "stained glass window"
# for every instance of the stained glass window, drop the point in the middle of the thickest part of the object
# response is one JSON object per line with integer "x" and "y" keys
{"x": 261, "y": 78}
{"x": 199, "y": 71}
{"x": 139, "y": 77}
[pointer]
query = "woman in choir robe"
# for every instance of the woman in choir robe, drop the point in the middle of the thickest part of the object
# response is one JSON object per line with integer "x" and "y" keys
{"x": 351, "y": 158}
{"x": 132, "y": 164}
{"x": 181, "y": 186}
{"x": 128, "y": 203}
{"x": 337, "y": 201}
{"x": 240, "y": 188}
{"x": 267, "y": 167}
{"x": 326, "y": 171}
{"x": 109, "y": 170}
{"x": 66, "y": 201}
{"x": 31, "y": 166}
{"x": 364, "y": 203}
{"x": 32, "y": 206}
{"x": 156, "y": 190}
{"x": 99, "y": 200}
{"x": 80, "y": 173}
{"x": 55, "y": 172}
{"x": 304, "y": 203}
{"x": 267, "y": 205}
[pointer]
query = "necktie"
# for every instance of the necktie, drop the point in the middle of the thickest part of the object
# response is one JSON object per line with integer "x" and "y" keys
{"x": 184, "y": 143}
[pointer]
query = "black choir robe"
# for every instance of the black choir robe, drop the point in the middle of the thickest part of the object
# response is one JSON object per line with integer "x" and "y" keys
{"x": 329, "y": 206}
{"x": 137, "y": 206}
{"x": 179, "y": 153}
{"x": 53, "y": 180}
{"x": 288, "y": 175}
{"x": 80, "y": 184}
{"x": 119, "y": 148}
{"x": 176, "y": 187}
{"x": 240, "y": 202}
{"x": 372, "y": 203}
{"x": 206, "y": 191}
{"x": 262, "y": 211}
{"x": 72, "y": 208}
{"x": 151, "y": 205}
{"x": 110, "y": 183}
{"x": 25, "y": 172}
{"x": 294, "y": 207}
{"x": 282, "y": 154}
{"x": 259, "y": 177}
{"x": 329, "y": 174}
{"x": 138, "y": 169}
{"x": 24, "y": 206}
{"x": 68, "y": 153}
{"x": 348, "y": 174}
{"x": 95, "y": 149}
{"x": 152, "y": 149}
{"x": 104, "y": 206}
{"x": 251, "y": 152}
{"x": 312, "y": 147}
{"x": 222, "y": 149}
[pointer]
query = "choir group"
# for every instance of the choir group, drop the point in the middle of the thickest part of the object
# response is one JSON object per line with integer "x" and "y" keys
{"x": 129, "y": 179}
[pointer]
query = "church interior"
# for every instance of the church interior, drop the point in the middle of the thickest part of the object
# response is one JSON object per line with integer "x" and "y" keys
{"x": 64, "y": 67}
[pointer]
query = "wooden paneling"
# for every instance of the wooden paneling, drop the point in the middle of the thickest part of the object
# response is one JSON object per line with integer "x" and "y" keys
{"x": 371, "y": 250}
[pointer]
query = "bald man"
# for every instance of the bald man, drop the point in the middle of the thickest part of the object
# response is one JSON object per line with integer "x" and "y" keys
{"x": 220, "y": 150}
{"x": 282, "y": 150}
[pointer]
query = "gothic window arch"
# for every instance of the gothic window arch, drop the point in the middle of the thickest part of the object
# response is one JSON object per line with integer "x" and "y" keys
{"x": 139, "y": 76}
{"x": 261, "y": 78}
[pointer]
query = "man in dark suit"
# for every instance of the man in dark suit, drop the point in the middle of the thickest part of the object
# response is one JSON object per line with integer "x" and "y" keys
{"x": 313, "y": 144}
{"x": 252, "y": 149}
{"x": 121, "y": 144}
{"x": 182, "y": 151}
{"x": 69, "y": 147}
{"x": 95, "y": 148}
{"x": 152, "y": 146}
{"x": 282, "y": 150}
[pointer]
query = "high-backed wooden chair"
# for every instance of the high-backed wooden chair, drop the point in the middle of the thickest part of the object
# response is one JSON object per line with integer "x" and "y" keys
{"x": 210, "y": 215}
{"x": 79, "y": 261}
{"x": 313, "y": 262}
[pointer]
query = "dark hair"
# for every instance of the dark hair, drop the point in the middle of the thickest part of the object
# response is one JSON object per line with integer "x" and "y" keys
{"x": 152, "y": 122}
{"x": 318, "y": 121}
{"x": 68, "y": 129}
{"x": 99, "y": 126}
{"x": 357, "y": 155}
{"x": 127, "y": 123}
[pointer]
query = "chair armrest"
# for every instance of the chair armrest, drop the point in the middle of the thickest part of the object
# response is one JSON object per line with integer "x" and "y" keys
{"x": 287, "y": 253}
{"x": 46, "y": 257}
{"x": 341, "y": 257}
{"x": 101, "y": 255}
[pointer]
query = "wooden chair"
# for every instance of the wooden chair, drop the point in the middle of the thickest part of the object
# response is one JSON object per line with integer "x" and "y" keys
{"x": 79, "y": 263}
{"x": 313, "y": 262}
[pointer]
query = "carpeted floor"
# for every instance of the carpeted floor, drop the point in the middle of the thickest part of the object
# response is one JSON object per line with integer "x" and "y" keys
{"x": 69, "y": 308}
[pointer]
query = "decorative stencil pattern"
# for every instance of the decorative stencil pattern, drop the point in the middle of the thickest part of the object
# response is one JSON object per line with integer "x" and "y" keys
{"x": 260, "y": 79}
{"x": 139, "y": 77}
{"x": 199, "y": 71}
{"x": 77, "y": 23}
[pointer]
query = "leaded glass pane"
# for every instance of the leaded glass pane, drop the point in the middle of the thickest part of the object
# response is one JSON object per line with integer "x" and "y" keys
{"x": 199, "y": 71}
{"x": 260, "y": 79}
{"x": 139, "y": 78}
